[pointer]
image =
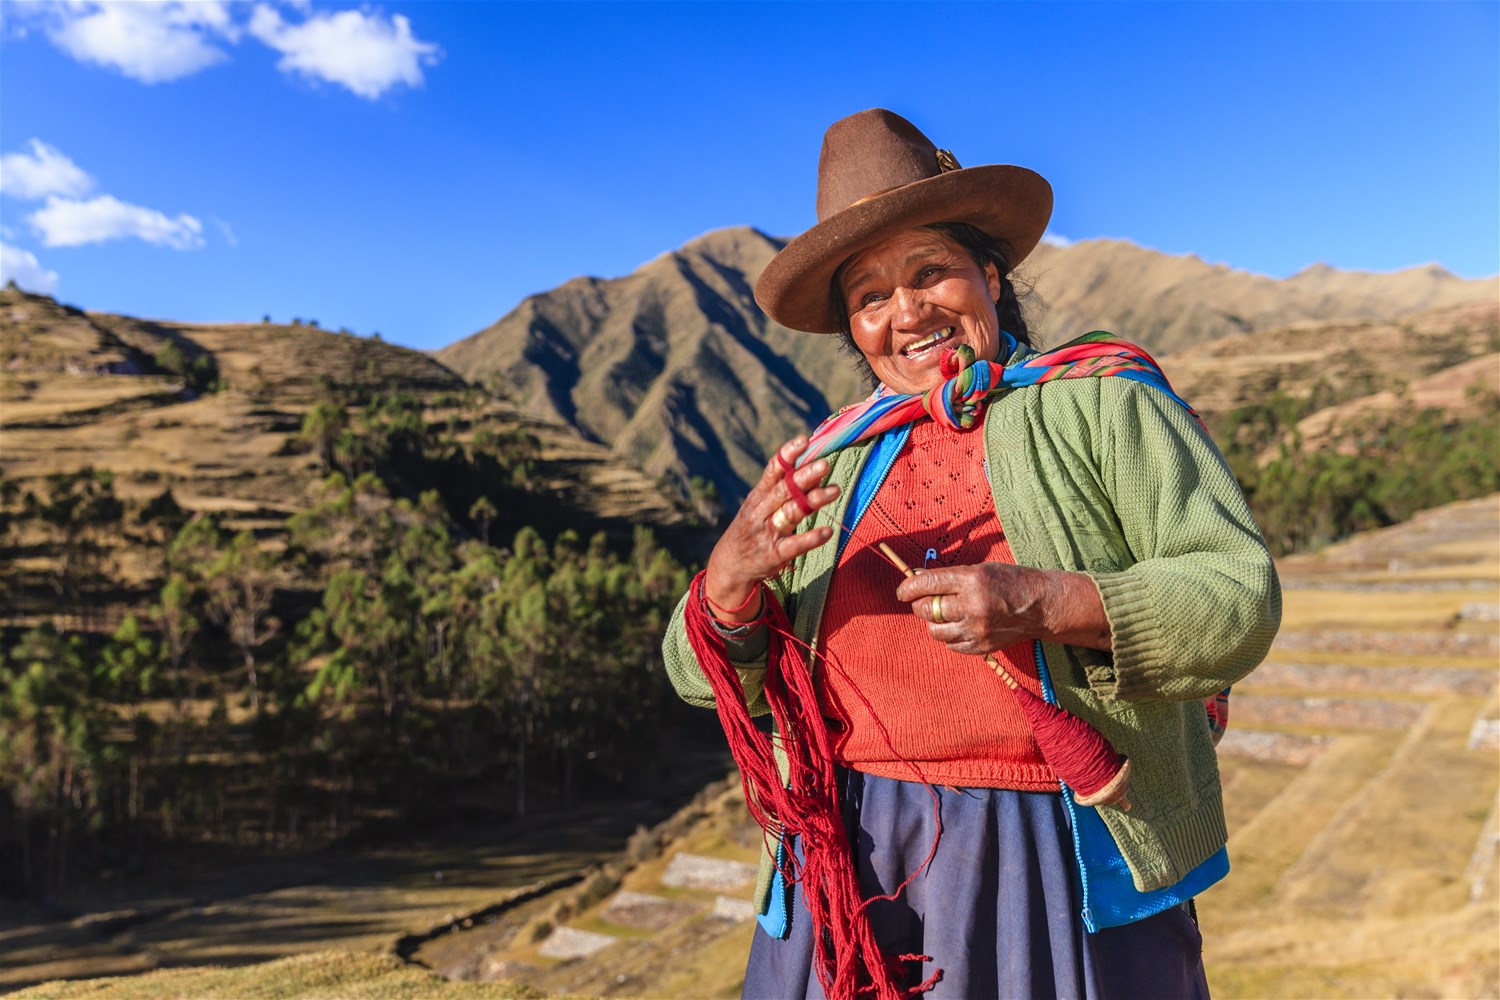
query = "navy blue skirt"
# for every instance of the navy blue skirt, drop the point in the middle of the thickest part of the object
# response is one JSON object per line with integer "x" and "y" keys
{"x": 997, "y": 910}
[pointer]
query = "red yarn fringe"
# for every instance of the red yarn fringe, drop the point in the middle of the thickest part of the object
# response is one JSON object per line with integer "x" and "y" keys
{"x": 847, "y": 959}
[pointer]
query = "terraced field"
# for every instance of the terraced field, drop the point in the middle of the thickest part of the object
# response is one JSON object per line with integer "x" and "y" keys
{"x": 1361, "y": 774}
{"x": 78, "y": 391}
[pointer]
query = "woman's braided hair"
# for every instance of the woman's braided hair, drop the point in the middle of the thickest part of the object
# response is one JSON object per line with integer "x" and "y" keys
{"x": 985, "y": 249}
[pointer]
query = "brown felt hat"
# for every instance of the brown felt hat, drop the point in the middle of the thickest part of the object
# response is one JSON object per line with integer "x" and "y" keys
{"x": 878, "y": 175}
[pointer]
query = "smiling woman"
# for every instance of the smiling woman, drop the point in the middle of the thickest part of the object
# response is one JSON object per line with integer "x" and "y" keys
{"x": 913, "y": 293}
{"x": 1076, "y": 528}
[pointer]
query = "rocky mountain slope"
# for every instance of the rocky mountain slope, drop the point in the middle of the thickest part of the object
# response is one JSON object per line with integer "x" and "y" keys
{"x": 673, "y": 367}
{"x": 1170, "y": 302}
{"x": 676, "y": 370}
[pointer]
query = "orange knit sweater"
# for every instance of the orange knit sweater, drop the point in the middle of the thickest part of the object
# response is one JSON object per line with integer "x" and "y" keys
{"x": 891, "y": 690}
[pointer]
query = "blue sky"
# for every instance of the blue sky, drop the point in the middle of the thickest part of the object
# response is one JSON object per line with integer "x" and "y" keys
{"x": 418, "y": 168}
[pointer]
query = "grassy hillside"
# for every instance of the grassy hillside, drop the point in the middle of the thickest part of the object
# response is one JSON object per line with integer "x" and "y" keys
{"x": 1338, "y": 428}
{"x": 268, "y": 587}
{"x": 1333, "y": 363}
{"x": 1173, "y": 302}
{"x": 216, "y": 411}
{"x": 1362, "y": 775}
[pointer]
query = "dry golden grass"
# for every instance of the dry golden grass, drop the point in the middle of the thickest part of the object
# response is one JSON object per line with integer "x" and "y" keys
{"x": 1274, "y": 837}
{"x": 255, "y": 911}
{"x": 1378, "y": 661}
{"x": 1451, "y": 955}
{"x": 45, "y": 399}
{"x": 1307, "y": 610}
{"x": 324, "y": 975}
{"x": 695, "y": 957}
{"x": 1372, "y": 871}
{"x": 1223, "y": 373}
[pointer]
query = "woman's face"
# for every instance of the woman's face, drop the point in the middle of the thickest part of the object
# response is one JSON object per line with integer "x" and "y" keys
{"x": 912, "y": 297}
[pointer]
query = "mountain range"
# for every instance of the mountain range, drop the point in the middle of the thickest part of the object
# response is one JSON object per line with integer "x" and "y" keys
{"x": 678, "y": 372}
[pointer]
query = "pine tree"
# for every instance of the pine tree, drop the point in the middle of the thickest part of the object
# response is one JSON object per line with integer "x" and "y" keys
{"x": 240, "y": 587}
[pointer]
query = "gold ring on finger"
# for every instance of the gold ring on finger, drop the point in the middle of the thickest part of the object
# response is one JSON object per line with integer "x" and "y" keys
{"x": 937, "y": 609}
{"x": 781, "y": 522}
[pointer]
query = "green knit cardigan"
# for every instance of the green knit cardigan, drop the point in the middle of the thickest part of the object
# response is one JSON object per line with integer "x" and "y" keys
{"x": 1111, "y": 478}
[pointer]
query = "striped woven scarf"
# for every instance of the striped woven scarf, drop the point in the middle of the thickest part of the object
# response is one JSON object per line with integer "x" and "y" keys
{"x": 958, "y": 402}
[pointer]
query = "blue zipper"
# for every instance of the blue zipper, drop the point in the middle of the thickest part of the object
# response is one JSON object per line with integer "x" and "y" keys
{"x": 1083, "y": 876}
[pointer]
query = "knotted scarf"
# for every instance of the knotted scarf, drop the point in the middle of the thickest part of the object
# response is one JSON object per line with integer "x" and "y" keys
{"x": 958, "y": 402}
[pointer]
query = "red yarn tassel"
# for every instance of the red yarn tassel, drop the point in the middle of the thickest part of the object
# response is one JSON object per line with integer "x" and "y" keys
{"x": 847, "y": 958}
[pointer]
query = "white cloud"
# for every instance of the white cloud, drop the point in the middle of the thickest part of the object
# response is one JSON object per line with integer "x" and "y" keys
{"x": 152, "y": 41}
{"x": 22, "y": 267}
{"x": 42, "y": 172}
{"x": 155, "y": 41}
{"x": 225, "y": 231}
{"x": 362, "y": 51}
{"x": 1056, "y": 240}
{"x": 66, "y": 222}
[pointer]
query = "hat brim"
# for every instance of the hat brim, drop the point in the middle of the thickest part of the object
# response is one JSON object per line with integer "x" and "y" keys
{"x": 1008, "y": 202}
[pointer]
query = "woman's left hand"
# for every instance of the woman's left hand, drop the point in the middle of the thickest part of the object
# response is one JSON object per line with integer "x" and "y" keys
{"x": 992, "y": 605}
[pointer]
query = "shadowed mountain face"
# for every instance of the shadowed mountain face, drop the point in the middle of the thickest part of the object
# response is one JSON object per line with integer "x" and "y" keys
{"x": 676, "y": 369}
{"x": 674, "y": 366}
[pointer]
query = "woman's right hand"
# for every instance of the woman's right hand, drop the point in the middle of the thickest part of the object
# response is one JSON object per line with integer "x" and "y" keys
{"x": 753, "y": 548}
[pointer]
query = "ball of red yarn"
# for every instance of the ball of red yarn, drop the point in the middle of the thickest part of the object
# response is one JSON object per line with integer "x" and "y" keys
{"x": 1079, "y": 754}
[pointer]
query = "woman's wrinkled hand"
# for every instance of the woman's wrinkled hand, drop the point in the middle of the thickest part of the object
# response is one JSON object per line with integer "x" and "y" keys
{"x": 986, "y": 607}
{"x": 763, "y": 536}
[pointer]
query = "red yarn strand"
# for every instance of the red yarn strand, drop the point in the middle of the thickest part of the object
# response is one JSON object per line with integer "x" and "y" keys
{"x": 848, "y": 959}
{"x": 787, "y": 469}
{"x": 715, "y": 605}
